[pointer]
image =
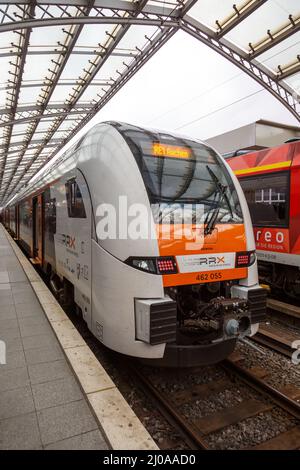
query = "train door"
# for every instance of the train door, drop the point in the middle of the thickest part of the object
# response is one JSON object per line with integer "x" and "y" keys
{"x": 17, "y": 222}
{"x": 73, "y": 239}
{"x": 37, "y": 216}
{"x": 84, "y": 235}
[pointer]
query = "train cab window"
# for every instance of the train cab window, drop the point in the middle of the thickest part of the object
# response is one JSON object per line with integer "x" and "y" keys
{"x": 180, "y": 173}
{"x": 74, "y": 200}
{"x": 268, "y": 199}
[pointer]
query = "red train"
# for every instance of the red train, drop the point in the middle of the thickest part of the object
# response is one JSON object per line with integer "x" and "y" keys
{"x": 270, "y": 179}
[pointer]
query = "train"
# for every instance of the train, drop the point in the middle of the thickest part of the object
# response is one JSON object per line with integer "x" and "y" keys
{"x": 148, "y": 234}
{"x": 270, "y": 180}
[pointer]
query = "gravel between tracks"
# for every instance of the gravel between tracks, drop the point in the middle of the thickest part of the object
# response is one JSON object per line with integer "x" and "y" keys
{"x": 282, "y": 370}
{"x": 252, "y": 431}
{"x": 228, "y": 398}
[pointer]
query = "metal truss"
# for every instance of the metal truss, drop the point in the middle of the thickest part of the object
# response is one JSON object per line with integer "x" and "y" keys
{"x": 258, "y": 72}
{"x": 144, "y": 56}
{"x": 25, "y": 146}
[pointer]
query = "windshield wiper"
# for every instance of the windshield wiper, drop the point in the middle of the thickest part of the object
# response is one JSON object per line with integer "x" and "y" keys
{"x": 164, "y": 216}
{"x": 221, "y": 190}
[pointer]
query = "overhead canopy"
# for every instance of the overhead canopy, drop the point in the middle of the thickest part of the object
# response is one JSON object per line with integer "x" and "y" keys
{"x": 61, "y": 62}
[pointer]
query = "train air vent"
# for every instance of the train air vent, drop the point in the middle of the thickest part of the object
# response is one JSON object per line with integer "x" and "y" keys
{"x": 257, "y": 299}
{"x": 155, "y": 320}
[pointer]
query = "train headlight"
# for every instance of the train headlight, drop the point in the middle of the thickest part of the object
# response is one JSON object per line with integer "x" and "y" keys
{"x": 244, "y": 259}
{"x": 144, "y": 264}
{"x": 252, "y": 258}
{"x": 160, "y": 265}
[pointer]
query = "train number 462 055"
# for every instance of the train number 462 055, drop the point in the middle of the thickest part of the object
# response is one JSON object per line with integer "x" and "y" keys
{"x": 209, "y": 276}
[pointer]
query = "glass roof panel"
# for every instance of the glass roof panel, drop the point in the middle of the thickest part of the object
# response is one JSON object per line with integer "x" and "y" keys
{"x": 165, "y": 3}
{"x": 110, "y": 67}
{"x": 93, "y": 34}
{"x": 29, "y": 95}
{"x": 283, "y": 53}
{"x": 90, "y": 94}
{"x": 270, "y": 16}
{"x": 2, "y": 97}
{"x": 37, "y": 68}
{"x": 208, "y": 11}
{"x": 136, "y": 36}
{"x": 6, "y": 40}
{"x": 294, "y": 82}
{"x": 75, "y": 66}
{"x": 48, "y": 35}
{"x": 61, "y": 93}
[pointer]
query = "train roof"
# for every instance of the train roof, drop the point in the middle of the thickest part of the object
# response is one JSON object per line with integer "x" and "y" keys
{"x": 53, "y": 170}
{"x": 268, "y": 160}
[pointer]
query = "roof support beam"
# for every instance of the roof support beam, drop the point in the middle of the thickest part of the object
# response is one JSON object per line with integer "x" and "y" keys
{"x": 60, "y": 83}
{"x": 50, "y": 144}
{"x": 289, "y": 70}
{"x": 70, "y": 42}
{"x": 54, "y": 51}
{"x": 101, "y": 60}
{"x": 94, "y": 69}
{"x": 262, "y": 77}
{"x": 38, "y": 109}
{"x": 22, "y": 143}
{"x": 120, "y": 5}
{"x": 67, "y": 115}
{"x": 275, "y": 37}
{"x": 17, "y": 75}
{"x": 134, "y": 67}
{"x": 78, "y": 20}
{"x": 238, "y": 15}
{"x": 186, "y": 7}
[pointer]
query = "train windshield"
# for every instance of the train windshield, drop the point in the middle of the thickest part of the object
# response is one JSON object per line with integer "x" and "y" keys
{"x": 180, "y": 173}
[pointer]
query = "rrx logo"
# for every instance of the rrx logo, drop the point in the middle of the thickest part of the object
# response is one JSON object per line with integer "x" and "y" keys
{"x": 212, "y": 260}
{"x": 68, "y": 241}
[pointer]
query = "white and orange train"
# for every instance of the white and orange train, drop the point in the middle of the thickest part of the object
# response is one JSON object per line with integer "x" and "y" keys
{"x": 179, "y": 300}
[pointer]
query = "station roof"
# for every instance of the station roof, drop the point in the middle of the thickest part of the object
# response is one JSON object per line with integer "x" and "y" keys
{"x": 61, "y": 62}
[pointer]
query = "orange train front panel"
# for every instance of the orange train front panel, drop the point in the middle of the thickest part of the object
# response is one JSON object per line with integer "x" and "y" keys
{"x": 199, "y": 258}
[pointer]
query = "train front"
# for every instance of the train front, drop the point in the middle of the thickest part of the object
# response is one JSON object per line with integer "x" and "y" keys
{"x": 201, "y": 254}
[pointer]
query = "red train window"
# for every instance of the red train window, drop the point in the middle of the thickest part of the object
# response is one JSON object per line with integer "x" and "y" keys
{"x": 268, "y": 198}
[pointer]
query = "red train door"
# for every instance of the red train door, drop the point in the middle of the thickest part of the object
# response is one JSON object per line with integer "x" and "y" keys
{"x": 38, "y": 224}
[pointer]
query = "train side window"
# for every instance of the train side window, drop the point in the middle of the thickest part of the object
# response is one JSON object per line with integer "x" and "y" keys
{"x": 74, "y": 200}
{"x": 268, "y": 199}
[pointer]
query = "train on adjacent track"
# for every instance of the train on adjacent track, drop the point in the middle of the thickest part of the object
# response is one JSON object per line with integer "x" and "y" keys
{"x": 270, "y": 179}
{"x": 180, "y": 297}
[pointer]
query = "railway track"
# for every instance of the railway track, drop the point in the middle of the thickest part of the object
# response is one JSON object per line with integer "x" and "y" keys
{"x": 277, "y": 337}
{"x": 288, "y": 312}
{"x": 197, "y": 433}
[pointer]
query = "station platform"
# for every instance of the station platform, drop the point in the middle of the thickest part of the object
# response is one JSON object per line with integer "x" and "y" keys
{"x": 54, "y": 394}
